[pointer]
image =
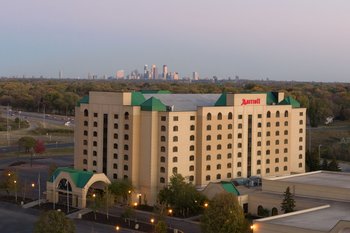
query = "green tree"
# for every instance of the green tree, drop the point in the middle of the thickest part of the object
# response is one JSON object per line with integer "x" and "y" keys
{"x": 121, "y": 190}
{"x": 182, "y": 197}
{"x": 324, "y": 165}
{"x": 312, "y": 161}
{"x": 27, "y": 143}
{"x": 333, "y": 165}
{"x": 54, "y": 222}
{"x": 224, "y": 215}
{"x": 288, "y": 203}
{"x": 161, "y": 227}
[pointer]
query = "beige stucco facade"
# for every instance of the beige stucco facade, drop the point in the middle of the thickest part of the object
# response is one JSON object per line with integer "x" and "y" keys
{"x": 241, "y": 135}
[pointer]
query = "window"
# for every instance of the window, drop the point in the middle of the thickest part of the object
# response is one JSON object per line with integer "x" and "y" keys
{"x": 300, "y": 156}
{"x": 229, "y": 126}
{"x": 239, "y": 126}
{"x": 267, "y": 170}
{"x": 218, "y": 147}
{"x": 192, "y": 138}
{"x": 268, "y": 114}
{"x": 162, "y": 138}
{"x": 207, "y": 177}
{"x": 115, "y": 136}
{"x": 115, "y": 166}
{"x": 301, "y": 113}
{"x": 126, "y": 137}
{"x": 115, "y": 126}
{"x": 191, "y": 168}
{"x": 192, "y": 127}
{"x": 239, "y": 164}
{"x": 285, "y": 150}
{"x": 218, "y": 137}
{"x": 300, "y": 122}
{"x": 126, "y": 116}
{"x": 230, "y": 115}
{"x": 94, "y": 163}
{"x": 192, "y": 158}
{"x": 191, "y": 178}
{"x": 192, "y": 148}
{"x": 126, "y": 147}
{"x": 163, "y": 118}
{"x": 126, "y": 157}
{"x": 240, "y": 116}
{"x": 285, "y": 141}
{"x": 175, "y": 128}
{"x": 259, "y": 152}
{"x": 175, "y": 139}
{"x": 85, "y": 142}
{"x": 300, "y": 130}
{"x": 239, "y": 174}
{"x": 285, "y": 168}
{"x": 95, "y": 134}
{"x": 126, "y": 167}
{"x": 218, "y": 176}
{"x": 259, "y": 125}
{"x": 218, "y": 156}
{"x": 208, "y": 127}
{"x": 229, "y": 155}
{"x": 162, "y": 159}
{"x": 162, "y": 169}
{"x": 277, "y": 114}
{"x": 116, "y": 116}
{"x": 239, "y": 154}
{"x": 85, "y": 161}
{"x": 162, "y": 128}
{"x": 277, "y": 169}
{"x": 277, "y": 124}
{"x": 300, "y": 139}
{"x": 208, "y": 158}
{"x": 125, "y": 177}
{"x": 259, "y": 134}
{"x": 162, "y": 180}
{"x": 258, "y": 171}
{"x": 208, "y": 137}
{"x": 85, "y": 133}
{"x": 229, "y": 165}
{"x": 286, "y": 123}
{"x": 277, "y": 160}
{"x": 95, "y": 114}
{"x": 229, "y": 136}
{"x": 162, "y": 149}
{"x": 267, "y": 161}
{"x": 258, "y": 162}
{"x": 268, "y": 124}
{"x": 175, "y": 118}
{"x": 277, "y": 151}
{"x": 239, "y": 135}
{"x": 86, "y": 113}
{"x": 219, "y": 127}
{"x": 94, "y": 143}
{"x": 94, "y": 153}
{"x": 285, "y": 159}
{"x": 300, "y": 147}
{"x": 115, "y": 146}
{"x": 95, "y": 124}
{"x": 277, "y": 133}
{"x": 229, "y": 175}
{"x": 286, "y": 132}
{"x": 277, "y": 142}
{"x": 126, "y": 126}
{"x": 175, "y": 149}
{"x": 208, "y": 168}
{"x": 115, "y": 176}
{"x": 239, "y": 145}
{"x": 300, "y": 165}
{"x": 268, "y": 133}
{"x": 219, "y": 116}
{"x": 85, "y": 123}
{"x": 175, "y": 159}
{"x": 192, "y": 118}
{"x": 208, "y": 117}
{"x": 229, "y": 146}
{"x": 208, "y": 147}
{"x": 115, "y": 156}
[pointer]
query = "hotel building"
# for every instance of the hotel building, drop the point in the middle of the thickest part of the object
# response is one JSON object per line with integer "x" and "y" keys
{"x": 146, "y": 137}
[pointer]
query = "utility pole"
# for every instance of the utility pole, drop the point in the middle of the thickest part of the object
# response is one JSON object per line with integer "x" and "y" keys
{"x": 39, "y": 188}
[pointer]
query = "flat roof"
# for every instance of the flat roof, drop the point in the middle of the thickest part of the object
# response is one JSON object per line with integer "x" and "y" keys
{"x": 331, "y": 179}
{"x": 186, "y": 102}
{"x": 320, "y": 220}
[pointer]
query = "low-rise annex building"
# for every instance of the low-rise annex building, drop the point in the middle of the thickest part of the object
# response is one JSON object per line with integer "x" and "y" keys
{"x": 146, "y": 137}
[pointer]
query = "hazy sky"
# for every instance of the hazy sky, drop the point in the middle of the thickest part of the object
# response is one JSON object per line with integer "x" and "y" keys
{"x": 281, "y": 39}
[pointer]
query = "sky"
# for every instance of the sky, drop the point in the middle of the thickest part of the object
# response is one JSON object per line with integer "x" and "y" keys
{"x": 301, "y": 40}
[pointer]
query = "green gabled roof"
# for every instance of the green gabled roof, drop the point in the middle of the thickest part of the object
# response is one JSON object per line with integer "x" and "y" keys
{"x": 222, "y": 100}
{"x": 137, "y": 98}
{"x": 153, "y": 104}
{"x": 84, "y": 100}
{"x": 271, "y": 98}
{"x": 79, "y": 177}
{"x": 155, "y": 92}
{"x": 290, "y": 101}
{"x": 230, "y": 187}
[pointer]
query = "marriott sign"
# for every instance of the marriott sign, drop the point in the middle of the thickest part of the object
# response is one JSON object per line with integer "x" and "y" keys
{"x": 249, "y": 101}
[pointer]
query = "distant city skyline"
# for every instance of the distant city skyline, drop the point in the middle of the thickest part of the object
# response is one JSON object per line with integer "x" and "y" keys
{"x": 280, "y": 40}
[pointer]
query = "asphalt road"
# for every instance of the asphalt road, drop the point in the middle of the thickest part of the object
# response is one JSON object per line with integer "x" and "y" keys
{"x": 7, "y": 149}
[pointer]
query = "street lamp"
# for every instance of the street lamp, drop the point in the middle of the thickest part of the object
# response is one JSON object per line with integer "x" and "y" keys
{"x": 15, "y": 182}
{"x": 117, "y": 228}
{"x": 206, "y": 205}
{"x": 170, "y": 211}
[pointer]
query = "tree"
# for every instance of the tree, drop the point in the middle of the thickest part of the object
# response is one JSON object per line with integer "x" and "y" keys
{"x": 27, "y": 143}
{"x": 121, "y": 189}
{"x": 333, "y": 165}
{"x": 312, "y": 161}
{"x": 182, "y": 197}
{"x": 54, "y": 222}
{"x": 224, "y": 215}
{"x": 324, "y": 165}
{"x": 161, "y": 227}
{"x": 288, "y": 203}
{"x": 39, "y": 147}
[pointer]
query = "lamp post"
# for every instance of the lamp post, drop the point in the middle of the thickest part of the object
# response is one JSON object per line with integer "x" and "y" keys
{"x": 67, "y": 197}
{"x": 152, "y": 222}
{"x": 319, "y": 152}
{"x": 15, "y": 182}
{"x": 117, "y": 228}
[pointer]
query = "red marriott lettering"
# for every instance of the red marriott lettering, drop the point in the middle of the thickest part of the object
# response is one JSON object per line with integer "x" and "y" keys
{"x": 245, "y": 101}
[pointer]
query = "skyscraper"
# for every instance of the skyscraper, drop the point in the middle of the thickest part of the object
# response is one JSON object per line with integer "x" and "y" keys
{"x": 165, "y": 71}
{"x": 60, "y": 74}
{"x": 195, "y": 76}
{"x": 154, "y": 72}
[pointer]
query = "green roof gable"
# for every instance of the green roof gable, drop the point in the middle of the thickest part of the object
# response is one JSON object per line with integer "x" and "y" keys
{"x": 290, "y": 101}
{"x": 230, "y": 188}
{"x": 137, "y": 98}
{"x": 84, "y": 100}
{"x": 153, "y": 104}
{"x": 222, "y": 100}
{"x": 79, "y": 177}
{"x": 271, "y": 98}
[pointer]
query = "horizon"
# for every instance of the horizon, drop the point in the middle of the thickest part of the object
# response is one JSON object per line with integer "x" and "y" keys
{"x": 283, "y": 41}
